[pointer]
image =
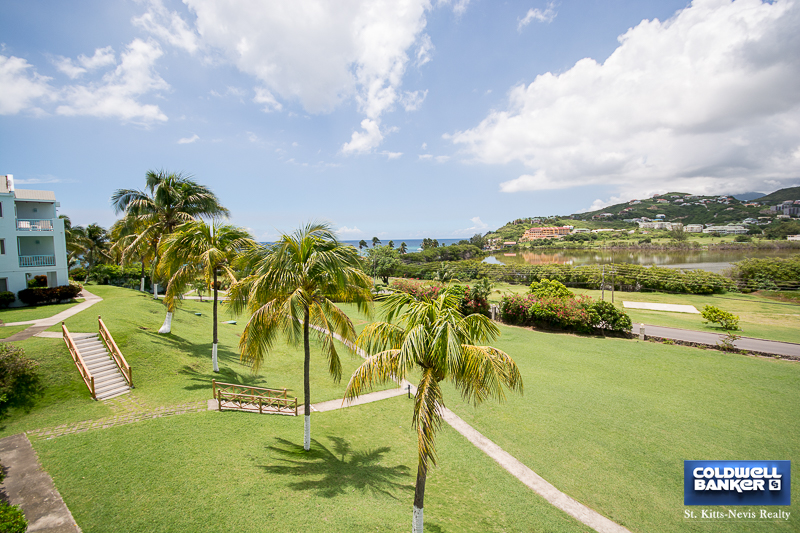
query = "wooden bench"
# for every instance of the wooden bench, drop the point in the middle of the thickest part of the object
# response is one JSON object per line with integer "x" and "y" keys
{"x": 230, "y": 396}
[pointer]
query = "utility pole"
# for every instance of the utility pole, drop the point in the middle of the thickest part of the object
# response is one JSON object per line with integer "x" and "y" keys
{"x": 603, "y": 285}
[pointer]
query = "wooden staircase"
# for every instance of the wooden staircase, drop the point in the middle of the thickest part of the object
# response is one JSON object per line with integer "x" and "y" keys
{"x": 101, "y": 364}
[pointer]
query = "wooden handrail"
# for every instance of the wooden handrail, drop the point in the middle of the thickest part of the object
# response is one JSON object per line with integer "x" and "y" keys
{"x": 87, "y": 376}
{"x": 116, "y": 354}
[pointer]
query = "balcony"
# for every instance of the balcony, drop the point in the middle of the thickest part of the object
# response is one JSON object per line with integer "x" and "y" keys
{"x": 37, "y": 261}
{"x": 26, "y": 224}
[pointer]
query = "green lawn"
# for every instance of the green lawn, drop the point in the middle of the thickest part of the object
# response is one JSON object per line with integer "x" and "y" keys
{"x": 6, "y": 332}
{"x": 212, "y": 472}
{"x": 21, "y": 314}
{"x": 610, "y": 421}
{"x": 167, "y": 369}
{"x": 759, "y": 316}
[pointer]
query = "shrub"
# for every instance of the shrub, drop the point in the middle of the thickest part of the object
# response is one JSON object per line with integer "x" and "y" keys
{"x": 19, "y": 379}
{"x": 550, "y": 289}
{"x": 6, "y": 298}
{"x": 768, "y": 273}
{"x": 78, "y": 273}
{"x": 11, "y": 519}
{"x": 51, "y": 295}
{"x": 116, "y": 274}
{"x": 742, "y": 238}
{"x": 472, "y": 301}
{"x": 716, "y": 315}
{"x": 608, "y": 316}
{"x": 37, "y": 281}
{"x": 579, "y": 313}
{"x": 416, "y": 288}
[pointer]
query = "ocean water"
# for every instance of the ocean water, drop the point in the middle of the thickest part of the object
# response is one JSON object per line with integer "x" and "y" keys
{"x": 412, "y": 245}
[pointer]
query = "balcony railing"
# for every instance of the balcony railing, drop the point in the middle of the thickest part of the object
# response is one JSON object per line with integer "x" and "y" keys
{"x": 24, "y": 224}
{"x": 37, "y": 260}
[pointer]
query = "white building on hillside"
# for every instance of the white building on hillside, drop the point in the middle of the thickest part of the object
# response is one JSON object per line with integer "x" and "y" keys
{"x": 32, "y": 239}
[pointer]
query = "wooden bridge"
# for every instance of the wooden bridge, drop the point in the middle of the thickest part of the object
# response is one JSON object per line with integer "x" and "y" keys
{"x": 230, "y": 396}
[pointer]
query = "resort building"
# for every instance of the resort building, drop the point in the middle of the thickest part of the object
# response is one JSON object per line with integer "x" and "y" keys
{"x": 660, "y": 225}
{"x": 32, "y": 239}
{"x": 545, "y": 233}
{"x": 730, "y": 229}
{"x": 693, "y": 228}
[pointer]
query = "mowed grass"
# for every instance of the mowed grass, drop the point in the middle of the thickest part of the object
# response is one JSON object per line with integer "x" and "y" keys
{"x": 167, "y": 369}
{"x": 759, "y": 317}
{"x": 35, "y": 312}
{"x": 214, "y": 472}
{"x": 610, "y": 421}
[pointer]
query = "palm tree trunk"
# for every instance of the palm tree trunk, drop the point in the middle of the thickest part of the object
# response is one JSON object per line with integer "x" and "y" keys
{"x": 214, "y": 345}
{"x": 419, "y": 497}
{"x": 141, "y": 286}
{"x": 307, "y": 383}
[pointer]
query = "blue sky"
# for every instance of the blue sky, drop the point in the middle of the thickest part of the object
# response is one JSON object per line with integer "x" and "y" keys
{"x": 400, "y": 119}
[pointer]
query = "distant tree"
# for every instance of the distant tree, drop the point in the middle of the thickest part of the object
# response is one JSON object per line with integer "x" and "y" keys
{"x": 391, "y": 244}
{"x": 403, "y": 248}
{"x": 435, "y": 243}
{"x": 678, "y": 234}
{"x": 779, "y": 230}
{"x": 362, "y": 244}
{"x": 375, "y": 242}
{"x": 427, "y": 243}
{"x": 97, "y": 247}
{"x": 383, "y": 260}
{"x": 477, "y": 240}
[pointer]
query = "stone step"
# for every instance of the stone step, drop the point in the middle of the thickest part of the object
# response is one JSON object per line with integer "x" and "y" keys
{"x": 92, "y": 351}
{"x": 111, "y": 383}
{"x": 106, "y": 372}
{"x": 96, "y": 356}
{"x": 100, "y": 366}
{"x": 114, "y": 393}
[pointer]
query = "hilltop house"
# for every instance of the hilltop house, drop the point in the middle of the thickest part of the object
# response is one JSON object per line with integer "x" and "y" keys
{"x": 32, "y": 241}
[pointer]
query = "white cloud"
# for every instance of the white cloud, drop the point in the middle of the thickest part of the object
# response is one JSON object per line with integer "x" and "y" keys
{"x": 66, "y": 66}
{"x": 188, "y": 140}
{"x": 547, "y": 15}
{"x": 424, "y": 50}
{"x": 263, "y": 96}
{"x": 320, "y": 53}
{"x": 442, "y": 158}
{"x": 344, "y": 230}
{"x": 102, "y": 57}
{"x": 364, "y": 141}
{"x": 412, "y": 100}
{"x": 116, "y": 95}
{"x": 425, "y": 157}
{"x": 478, "y": 226}
{"x": 21, "y": 87}
{"x": 425, "y": 146}
{"x": 168, "y": 26}
{"x": 704, "y": 102}
{"x": 391, "y": 155}
{"x": 459, "y": 6}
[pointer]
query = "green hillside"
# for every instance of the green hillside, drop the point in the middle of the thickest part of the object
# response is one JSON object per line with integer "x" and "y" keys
{"x": 790, "y": 193}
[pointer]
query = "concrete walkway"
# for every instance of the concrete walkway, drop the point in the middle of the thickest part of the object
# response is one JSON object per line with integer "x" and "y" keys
{"x": 30, "y": 487}
{"x": 38, "y": 326}
{"x": 785, "y": 349}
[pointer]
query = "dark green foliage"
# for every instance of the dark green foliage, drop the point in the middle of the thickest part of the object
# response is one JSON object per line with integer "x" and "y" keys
{"x": 11, "y": 519}
{"x": 789, "y": 193}
{"x": 6, "y": 298}
{"x": 742, "y": 238}
{"x": 51, "y": 295}
{"x": 550, "y": 289}
{"x": 608, "y": 316}
{"x": 116, "y": 275}
{"x": 78, "y": 273}
{"x": 37, "y": 281}
{"x": 767, "y": 273}
{"x": 383, "y": 261}
{"x": 19, "y": 379}
{"x": 454, "y": 252}
{"x": 473, "y": 300}
{"x": 581, "y": 314}
{"x": 780, "y": 229}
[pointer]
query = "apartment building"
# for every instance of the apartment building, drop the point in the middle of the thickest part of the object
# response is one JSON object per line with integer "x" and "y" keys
{"x": 545, "y": 233}
{"x": 32, "y": 241}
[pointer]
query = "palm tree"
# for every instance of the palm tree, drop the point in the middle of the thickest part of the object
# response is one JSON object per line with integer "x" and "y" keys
{"x": 198, "y": 249}
{"x": 391, "y": 244}
{"x": 96, "y": 247}
{"x": 124, "y": 233}
{"x": 292, "y": 286}
{"x": 362, "y": 244}
{"x": 169, "y": 200}
{"x": 75, "y": 237}
{"x": 433, "y": 337}
{"x": 403, "y": 248}
{"x": 375, "y": 242}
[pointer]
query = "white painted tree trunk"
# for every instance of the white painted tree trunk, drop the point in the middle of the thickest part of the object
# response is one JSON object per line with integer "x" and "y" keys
{"x": 167, "y": 327}
{"x": 307, "y": 433}
{"x": 155, "y": 290}
{"x": 214, "y": 357}
{"x": 416, "y": 525}
{"x": 141, "y": 286}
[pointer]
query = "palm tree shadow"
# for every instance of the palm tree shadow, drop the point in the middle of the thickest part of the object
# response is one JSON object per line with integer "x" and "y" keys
{"x": 202, "y": 380}
{"x": 331, "y": 472}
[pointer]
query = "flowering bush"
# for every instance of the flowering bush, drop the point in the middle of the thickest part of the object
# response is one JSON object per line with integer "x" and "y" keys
{"x": 416, "y": 288}
{"x": 473, "y": 300}
{"x": 580, "y": 313}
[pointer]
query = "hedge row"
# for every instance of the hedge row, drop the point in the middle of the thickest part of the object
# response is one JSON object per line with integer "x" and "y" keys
{"x": 578, "y": 313}
{"x": 768, "y": 273}
{"x": 472, "y": 300}
{"x": 49, "y": 295}
{"x": 623, "y": 277}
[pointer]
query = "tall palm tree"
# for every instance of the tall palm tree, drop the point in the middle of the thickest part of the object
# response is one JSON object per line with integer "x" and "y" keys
{"x": 362, "y": 244}
{"x": 124, "y": 233}
{"x": 292, "y": 285}
{"x": 433, "y": 337}
{"x": 196, "y": 249}
{"x": 169, "y": 200}
{"x": 75, "y": 237}
{"x": 375, "y": 242}
{"x": 403, "y": 248}
{"x": 96, "y": 247}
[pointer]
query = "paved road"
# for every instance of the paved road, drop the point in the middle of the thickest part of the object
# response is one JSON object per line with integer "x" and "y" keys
{"x": 750, "y": 344}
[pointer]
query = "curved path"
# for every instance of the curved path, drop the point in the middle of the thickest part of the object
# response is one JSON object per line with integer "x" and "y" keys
{"x": 38, "y": 326}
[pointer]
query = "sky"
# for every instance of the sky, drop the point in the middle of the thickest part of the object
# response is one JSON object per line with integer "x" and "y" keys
{"x": 399, "y": 118}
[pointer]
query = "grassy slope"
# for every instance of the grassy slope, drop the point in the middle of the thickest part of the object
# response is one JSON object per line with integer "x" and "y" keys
{"x": 167, "y": 369}
{"x": 211, "y": 472}
{"x": 758, "y": 316}
{"x": 21, "y": 314}
{"x": 610, "y": 421}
